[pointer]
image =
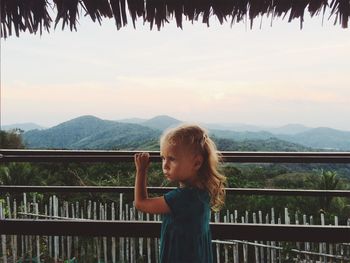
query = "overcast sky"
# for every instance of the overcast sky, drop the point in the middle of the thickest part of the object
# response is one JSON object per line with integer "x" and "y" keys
{"x": 270, "y": 76}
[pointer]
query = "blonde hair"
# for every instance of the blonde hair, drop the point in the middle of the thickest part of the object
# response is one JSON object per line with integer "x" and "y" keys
{"x": 197, "y": 139}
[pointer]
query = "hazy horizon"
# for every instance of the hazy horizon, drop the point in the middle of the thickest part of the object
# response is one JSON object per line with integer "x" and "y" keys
{"x": 222, "y": 124}
{"x": 271, "y": 76}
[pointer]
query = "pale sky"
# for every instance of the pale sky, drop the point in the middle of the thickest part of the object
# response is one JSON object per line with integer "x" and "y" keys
{"x": 270, "y": 76}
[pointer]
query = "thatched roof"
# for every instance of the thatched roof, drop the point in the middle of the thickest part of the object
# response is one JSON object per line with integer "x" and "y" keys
{"x": 34, "y": 15}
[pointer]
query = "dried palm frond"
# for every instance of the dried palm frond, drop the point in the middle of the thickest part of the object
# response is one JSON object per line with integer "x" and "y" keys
{"x": 20, "y": 15}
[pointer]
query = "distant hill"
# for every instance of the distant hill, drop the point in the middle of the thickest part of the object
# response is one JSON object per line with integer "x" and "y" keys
{"x": 322, "y": 137}
{"x": 241, "y": 136}
{"x": 317, "y": 138}
{"x": 237, "y": 127}
{"x": 89, "y": 132}
{"x": 23, "y": 126}
{"x": 240, "y": 127}
{"x": 133, "y": 120}
{"x": 268, "y": 145}
{"x": 161, "y": 122}
{"x": 290, "y": 129}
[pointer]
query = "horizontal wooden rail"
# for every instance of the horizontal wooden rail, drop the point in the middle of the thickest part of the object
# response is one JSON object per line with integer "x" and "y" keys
{"x": 263, "y": 232}
{"x": 162, "y": 190}
{"x": 128, "y": 156}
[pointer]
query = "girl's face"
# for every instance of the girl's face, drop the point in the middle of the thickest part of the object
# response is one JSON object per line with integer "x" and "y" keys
{"x": 179, "y": 164}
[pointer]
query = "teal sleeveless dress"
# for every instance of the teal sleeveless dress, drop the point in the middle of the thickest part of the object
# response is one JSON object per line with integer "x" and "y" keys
{"x": 185, "y": 232}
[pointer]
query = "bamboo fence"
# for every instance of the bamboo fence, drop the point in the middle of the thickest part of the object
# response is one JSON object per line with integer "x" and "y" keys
{"x": 121, "y": 249}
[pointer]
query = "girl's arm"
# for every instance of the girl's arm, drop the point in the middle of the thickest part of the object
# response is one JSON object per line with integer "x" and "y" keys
{"x": 155, "y": 205}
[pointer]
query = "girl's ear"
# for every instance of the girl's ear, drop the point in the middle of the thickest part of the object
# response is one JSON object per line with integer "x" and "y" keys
{"x": 198, "y": 161}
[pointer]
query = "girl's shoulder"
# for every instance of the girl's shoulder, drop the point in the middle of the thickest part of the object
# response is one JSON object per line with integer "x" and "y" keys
{"x": 191, "y": 192}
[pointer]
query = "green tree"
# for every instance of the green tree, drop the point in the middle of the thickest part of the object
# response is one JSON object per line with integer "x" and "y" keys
{"x": 11, "y": 139}
{"x": 328, "y": 181}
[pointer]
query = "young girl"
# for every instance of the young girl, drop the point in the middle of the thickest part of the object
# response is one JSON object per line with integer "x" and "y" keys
{"x": 189, "y": 158}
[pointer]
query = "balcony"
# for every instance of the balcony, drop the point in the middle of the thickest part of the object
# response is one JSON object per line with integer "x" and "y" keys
{"x": 58, "y": 227}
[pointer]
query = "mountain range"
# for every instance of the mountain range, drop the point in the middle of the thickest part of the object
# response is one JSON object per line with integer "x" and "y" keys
{"x": 89, "y": 132}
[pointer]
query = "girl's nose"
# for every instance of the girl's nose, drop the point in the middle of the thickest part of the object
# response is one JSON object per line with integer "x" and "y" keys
{"x": 165, "y": 165}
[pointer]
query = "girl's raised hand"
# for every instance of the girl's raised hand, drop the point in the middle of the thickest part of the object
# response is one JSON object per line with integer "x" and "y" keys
{"x": 141, "y": 161}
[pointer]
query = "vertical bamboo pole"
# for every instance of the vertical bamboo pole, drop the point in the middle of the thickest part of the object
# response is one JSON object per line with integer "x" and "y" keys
{"x": 140, "y": 217}
{"x": 323, "y": 244}
{"x": 273, "y": 243}
{"x": 69, "y": 238}
{"x": 36, "y": 208}
{"x": 256, "y": 249}
{"x": 217, "y": 219}
{"x": 15, "y": 248}
{"x": 262, "y": 252}
{"x": 279, "y": 221}
{"x": 149, "y": 256}
{"x": 24, "y": 238}
{"x": 298, "y": 243}
{"x": 156, "y": 241}
{"x": 96, "y": 239}
{"x": 50, "y": 237}
{"x": 56, "y": 240}
{"x": 312, "y": 245}
{"x": 235, "y": 248}
{"x": 225, "y": 246}
{"x": 348, "y": 247}
{"x": 132, "y": 240}
{"x": 268, "y": 250}
{"x": 336, "y": 245}
{"x": 3, "y": 237}
{"x": 127, "y": 239}
{"x": 46, "y": 238}
{"x": 104, "y": 217}
{"x": 245, "y": 246}
{"x": 30, "y": 245}
{"x": 83, "y": 250}
{"x": 121, "y": 239}
{"x": 113, "y": 246}
{"x": 90, "y": 247}
{"x": 13, "y": 245}
{"x": 63, "y": 252}
{"x": 76, "y": 238}
{"x": 306, "y": 244}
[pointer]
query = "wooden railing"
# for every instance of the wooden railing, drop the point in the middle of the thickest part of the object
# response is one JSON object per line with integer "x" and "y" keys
{"x": 152, "y": 229}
